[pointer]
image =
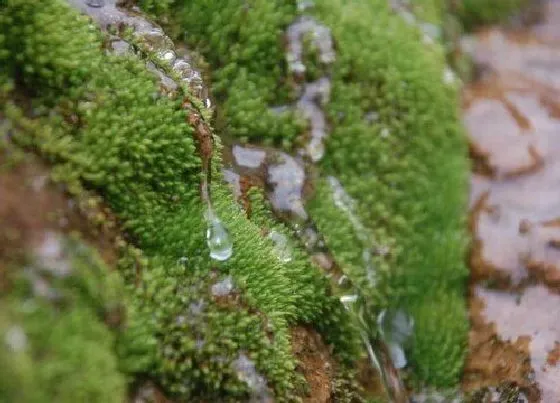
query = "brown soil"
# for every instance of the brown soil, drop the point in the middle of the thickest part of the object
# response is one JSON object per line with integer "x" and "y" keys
{"x": 315, "y": 363}
{"x": 493, "y": 361}
{"x": 31, "y": 205}
{"x": 553, "y": 358}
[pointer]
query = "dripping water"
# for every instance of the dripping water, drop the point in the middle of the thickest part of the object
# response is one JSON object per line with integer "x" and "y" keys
{"x": 172, "y": 71}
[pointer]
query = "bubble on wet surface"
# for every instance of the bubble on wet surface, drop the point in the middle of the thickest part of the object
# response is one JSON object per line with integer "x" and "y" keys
{"x": 222, "y": 288}
{"x": 150, "y": 38}
{"x": 218, "y": 238}
{"x": 166, "y": 56}
{"x": 282, "y": 248}
{"x": 15, "y": 339}
{"x": 247, "y": 372}
{"x": 248, "y": 157}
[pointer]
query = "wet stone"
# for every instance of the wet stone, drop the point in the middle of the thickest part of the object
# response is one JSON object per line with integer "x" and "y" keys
{"x": 534, "y": 314}
{"x": 222, "y": 288}
{"x": 246, "y": 372}
{"x": 248, "y": 157}
{"x": 287, "y": 178}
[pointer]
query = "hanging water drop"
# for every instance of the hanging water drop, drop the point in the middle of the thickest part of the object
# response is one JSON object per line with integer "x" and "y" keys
{"x": 218, "y": 238}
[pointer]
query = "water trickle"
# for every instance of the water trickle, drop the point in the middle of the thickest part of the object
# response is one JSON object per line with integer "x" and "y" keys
{"x": 344, "y": 202}
{"x": 379, "y": 353}
{"x": 281, "y": 246}
{"x": 395, "y": 328}
{"x": 218, "y": 238}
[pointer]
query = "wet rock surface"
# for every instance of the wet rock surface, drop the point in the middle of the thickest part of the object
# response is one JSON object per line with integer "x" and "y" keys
{"x": 512, "y": 119}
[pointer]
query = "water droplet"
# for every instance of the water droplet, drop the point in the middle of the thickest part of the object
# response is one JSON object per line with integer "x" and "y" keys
{"x": 167, "y": 56}
{"x": 16, "y": 339}
{"x": 95, "y": 3}
{"x": 281, "y": 246}
{"x": 218, "y": 238}
{"x": 348, "y": 300}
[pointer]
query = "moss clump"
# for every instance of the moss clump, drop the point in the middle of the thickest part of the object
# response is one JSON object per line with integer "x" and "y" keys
{"x": 55, "y": 344}
{"x": 475, "y": 13}
{"x": 395, "y": 144}
{"x": 101, "y": 121}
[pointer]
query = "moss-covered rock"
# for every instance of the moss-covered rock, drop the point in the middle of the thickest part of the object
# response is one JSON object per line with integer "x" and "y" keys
{"x": 394, "y": 144}
{"x": 101, "y": 121}
{"x": 55, "y": 344}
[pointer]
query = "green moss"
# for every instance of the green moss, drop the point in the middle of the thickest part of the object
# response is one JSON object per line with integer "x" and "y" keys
{"x": 65, "y": 352}
{"x": 474, "y": 13}
{"x": 102, "y": 122}
{"x": 407, "y": 170}
{"x": 396, "y": 145}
